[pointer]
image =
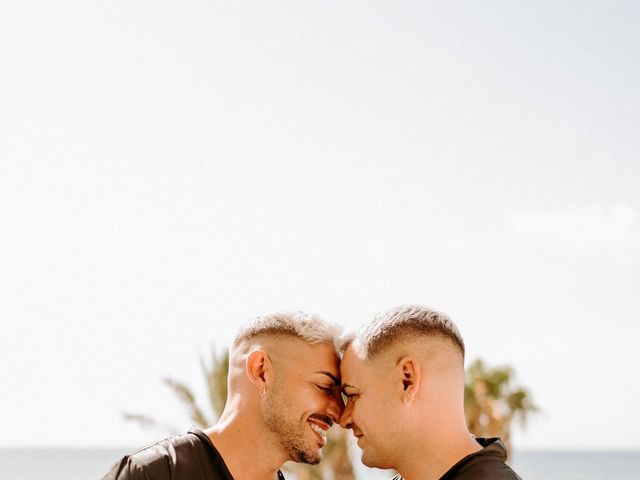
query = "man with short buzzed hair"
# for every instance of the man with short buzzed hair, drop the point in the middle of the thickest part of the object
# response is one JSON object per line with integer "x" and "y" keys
{"x": 403, "y": 376}
{"x": 283, "y": 395}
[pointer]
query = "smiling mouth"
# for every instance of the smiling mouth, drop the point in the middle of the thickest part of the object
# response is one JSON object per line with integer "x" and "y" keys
{"x": 320, "y": 432}
{"x": 320, "y": 425}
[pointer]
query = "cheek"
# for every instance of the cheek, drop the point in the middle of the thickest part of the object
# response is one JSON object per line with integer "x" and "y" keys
{"x": 315, "y": 399}
{"x": 375, "y": 414}
{"x": 364, "y": 413}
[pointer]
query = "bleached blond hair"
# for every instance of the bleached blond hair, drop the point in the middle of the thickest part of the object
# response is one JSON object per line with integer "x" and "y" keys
{"x": 405, "y": 322}
{"x": 306, "y": 326}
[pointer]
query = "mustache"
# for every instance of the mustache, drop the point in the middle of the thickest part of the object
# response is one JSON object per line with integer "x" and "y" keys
{"x": 323, "y": 418}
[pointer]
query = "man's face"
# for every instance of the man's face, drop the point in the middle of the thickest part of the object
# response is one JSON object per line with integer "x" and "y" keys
{"x": 305, "y": 399}
{"x": 369, "y": 412}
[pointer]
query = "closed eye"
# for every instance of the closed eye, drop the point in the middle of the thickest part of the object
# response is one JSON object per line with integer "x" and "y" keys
{"x": 349, "y": 397}
{"x": 328, "y": 390}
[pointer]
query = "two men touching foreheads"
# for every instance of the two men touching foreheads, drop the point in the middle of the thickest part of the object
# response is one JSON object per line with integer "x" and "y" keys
{"x": 402, "y": 377}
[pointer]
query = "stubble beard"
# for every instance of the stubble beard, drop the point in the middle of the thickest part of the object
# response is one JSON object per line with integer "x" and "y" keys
{"x": 290, "y": 433}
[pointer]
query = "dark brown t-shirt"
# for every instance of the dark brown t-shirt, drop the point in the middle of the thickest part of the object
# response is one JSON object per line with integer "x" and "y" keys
{"x": 485, "y": 464}
{"x": 191, "y": 456}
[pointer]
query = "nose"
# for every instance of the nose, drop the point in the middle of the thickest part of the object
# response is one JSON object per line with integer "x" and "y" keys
{"x": 335, "y": 407}
{"x": 345, "y": 419}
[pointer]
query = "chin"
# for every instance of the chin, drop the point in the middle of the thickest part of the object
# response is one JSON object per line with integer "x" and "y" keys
{"x": 367, "y": 460}
{"x": 371, "y": 461}
{"x": 310, "y": 458}
{"x": 314, "y": 456}
{"x": 308, "y": 455}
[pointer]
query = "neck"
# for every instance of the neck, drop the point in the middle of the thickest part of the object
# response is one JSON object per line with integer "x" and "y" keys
{"x": 237, "y": 440}
{"x": 436, "y": 458}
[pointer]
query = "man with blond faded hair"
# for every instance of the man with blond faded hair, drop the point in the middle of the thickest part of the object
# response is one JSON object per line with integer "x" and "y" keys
{"x": 403, "y": 376}
{"x": 283, "y": 395}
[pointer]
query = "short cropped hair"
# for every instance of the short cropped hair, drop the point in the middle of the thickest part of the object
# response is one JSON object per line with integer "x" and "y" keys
{"x": 305, "y": 326}
{"x": 405, "y": 322}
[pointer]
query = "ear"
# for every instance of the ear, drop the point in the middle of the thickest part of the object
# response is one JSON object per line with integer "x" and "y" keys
{"x": 408, "y": 372}
{"x": 259, "y": 369}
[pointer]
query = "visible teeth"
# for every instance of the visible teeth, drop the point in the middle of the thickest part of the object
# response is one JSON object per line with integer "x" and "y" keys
{"x": 317, "y": 429}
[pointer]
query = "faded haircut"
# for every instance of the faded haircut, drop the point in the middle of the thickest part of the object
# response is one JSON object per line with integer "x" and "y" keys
{"x": 402, "y": 323}
{"x": 305, "y": 326}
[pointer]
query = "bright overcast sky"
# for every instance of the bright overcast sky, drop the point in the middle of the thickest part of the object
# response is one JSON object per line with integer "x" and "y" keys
{"x": 171, "y": 169}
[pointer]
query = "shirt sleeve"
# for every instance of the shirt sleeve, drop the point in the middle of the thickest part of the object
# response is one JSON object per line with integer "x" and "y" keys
{"x": 125, "y": 469}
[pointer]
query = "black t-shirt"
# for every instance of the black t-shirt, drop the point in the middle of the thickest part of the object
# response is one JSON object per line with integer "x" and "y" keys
{"x": 191, "y": 456}
{"x": 485, "y": 464}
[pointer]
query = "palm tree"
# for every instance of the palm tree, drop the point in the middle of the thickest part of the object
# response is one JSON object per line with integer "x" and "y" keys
{"x": 491, "y": 402}
{"x": 337, "y": 461}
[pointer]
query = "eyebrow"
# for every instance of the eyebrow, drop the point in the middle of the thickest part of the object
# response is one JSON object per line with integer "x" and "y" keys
{"x": 335, "y": 379}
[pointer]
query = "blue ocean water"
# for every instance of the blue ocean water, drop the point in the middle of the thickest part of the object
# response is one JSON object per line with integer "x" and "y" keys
{"x": 87, "y": 464}
{"x": 577, "y": 465}
{"x": 56, "y": 463}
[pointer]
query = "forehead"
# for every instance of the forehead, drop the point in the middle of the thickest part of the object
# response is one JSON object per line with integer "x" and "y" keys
{"x": 304, "y": 358}
{"x": 353, "y": 366}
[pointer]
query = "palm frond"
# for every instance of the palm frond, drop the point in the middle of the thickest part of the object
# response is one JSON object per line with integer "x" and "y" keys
{"x": 215, "y": 375}
{"x": 491, "y": 401}
{"x": 146, "y": 423}
{"x": 187, "y": 397}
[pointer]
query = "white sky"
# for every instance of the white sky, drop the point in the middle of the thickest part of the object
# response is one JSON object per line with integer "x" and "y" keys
{"x": 171, "y": 169}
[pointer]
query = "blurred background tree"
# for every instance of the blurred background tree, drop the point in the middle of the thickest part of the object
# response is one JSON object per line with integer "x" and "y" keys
{"x": 491, "y": 403}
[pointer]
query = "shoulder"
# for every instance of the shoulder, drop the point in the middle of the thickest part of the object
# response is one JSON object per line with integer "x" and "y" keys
{"x": 485, "y": 464}
{"x": 165, "y": 452}
{"x": 156, "y": 461}
{"x": 488, "y": 469}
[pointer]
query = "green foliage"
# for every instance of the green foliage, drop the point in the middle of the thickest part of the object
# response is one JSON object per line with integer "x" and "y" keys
{"x": 215, "y": 375}
{"x": 492, "y": 401}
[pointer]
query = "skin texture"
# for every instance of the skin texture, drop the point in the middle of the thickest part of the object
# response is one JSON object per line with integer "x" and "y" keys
{"x": 405, "y": 407}
{"x": 372, "y": 395}
{"x": 280, "y": 389}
